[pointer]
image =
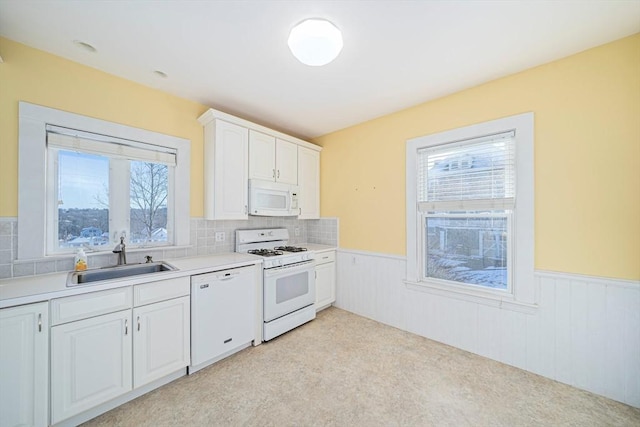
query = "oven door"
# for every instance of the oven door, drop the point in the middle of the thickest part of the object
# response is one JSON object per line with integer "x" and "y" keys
{"x": 288, "y": 288}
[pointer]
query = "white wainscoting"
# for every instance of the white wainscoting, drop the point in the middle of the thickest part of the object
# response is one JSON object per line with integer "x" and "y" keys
{"x": 586, "y": 331}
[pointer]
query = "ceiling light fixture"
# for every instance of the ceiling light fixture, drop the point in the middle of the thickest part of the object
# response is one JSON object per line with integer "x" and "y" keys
{"x": 85, "y": 46}
{"x": 315, "y": 42}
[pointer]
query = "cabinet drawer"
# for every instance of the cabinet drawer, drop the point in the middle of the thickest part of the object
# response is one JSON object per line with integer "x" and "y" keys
{"x": 83, "y": 306}
{"x": 161, "y": 290}
{"x": 324, "y": 257}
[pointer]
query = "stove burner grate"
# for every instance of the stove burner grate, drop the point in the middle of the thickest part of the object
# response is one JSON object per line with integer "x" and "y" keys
{"x": 289, "y": 249}
{"x": 265, "y": 252}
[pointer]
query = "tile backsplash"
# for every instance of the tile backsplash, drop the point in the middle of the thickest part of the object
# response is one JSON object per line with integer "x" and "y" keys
{"x": 203, "y": 242}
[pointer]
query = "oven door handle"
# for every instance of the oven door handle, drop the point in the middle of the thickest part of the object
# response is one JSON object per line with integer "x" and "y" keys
{"x": 289, "y": 269}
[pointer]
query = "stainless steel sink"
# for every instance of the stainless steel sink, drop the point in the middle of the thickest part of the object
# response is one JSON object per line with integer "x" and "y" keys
{"x": 76, "y": 278}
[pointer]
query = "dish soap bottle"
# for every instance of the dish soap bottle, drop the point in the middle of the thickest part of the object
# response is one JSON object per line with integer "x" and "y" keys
{"x": 80, "y": 261}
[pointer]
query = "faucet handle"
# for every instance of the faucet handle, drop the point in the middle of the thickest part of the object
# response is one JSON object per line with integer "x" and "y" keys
{"x": 149, "y": 258}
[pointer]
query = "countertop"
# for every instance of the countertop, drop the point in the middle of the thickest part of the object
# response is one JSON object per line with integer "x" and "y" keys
{"x": 30, "y": 289}
{"x": 316, "y": 247}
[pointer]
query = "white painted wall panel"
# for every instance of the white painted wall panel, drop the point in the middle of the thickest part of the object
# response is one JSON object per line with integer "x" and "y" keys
{"x": 597, "y": 339}
{"x": 513, "y": 338}
{"x": 579, "y": 346}
{"x": 563, "y": 330}
{"x": 586, "y": 331}
{"x": 489, "y": 332}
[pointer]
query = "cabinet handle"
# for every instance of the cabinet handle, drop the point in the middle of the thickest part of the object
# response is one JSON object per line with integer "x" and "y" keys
{"x": 228, "y": 340}
{"x": 274, "y": 173}
{"x": 278, "y": 173}
{"x": 138, "y": 323}
{"x": 39, "y": 322}
{"x": 299, "y": 211}
{"x": 245, "y": 209}
{"x": 126, "y": 326}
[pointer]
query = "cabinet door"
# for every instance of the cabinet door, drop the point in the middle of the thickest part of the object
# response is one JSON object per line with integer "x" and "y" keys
{"x": 325, "y": 284}
{"x": 286, "y": 162}
{"x": 24, "y": 364}
{"x": 309, "y": 183}
{"x": 226, "y": 171}
{"x": 90, "y": 363}
{"x": 161, "y": 343}
{"x": 262, "y": 156}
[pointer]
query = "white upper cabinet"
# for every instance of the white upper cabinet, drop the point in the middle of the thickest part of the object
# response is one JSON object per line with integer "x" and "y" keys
{"x": 272, "y": 159}
{"x": 236, "y": 150}
{"x": 286, "y": 162}
{"x": 309, "y": 183}
{"x": 262, "y": 156}
{"x": 226, "y": 174}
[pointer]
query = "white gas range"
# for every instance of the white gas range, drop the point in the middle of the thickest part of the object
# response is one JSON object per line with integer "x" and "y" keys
{"x": 289, "y": 289}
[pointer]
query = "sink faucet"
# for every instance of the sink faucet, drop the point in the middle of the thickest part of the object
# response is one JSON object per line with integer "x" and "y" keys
{"x": 119, "y": 249}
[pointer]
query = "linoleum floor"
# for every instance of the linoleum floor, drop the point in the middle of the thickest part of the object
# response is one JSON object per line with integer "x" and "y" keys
{"x": 345, "y": 370}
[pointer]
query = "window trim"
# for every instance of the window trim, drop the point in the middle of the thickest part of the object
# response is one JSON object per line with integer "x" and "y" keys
{"x": 522, "y": 294}
{"x": 32, "y": 164}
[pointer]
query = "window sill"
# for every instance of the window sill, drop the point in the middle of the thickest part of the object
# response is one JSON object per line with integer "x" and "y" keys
{"x": 475, "y": 296}
{"x": 92, "y": 253}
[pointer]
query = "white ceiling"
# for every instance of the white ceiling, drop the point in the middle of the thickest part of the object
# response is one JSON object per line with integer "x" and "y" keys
{"x": 233, "y": 55}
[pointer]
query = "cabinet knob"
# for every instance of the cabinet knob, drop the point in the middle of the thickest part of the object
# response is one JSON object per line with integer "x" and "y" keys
{"x": 126, "y": 326}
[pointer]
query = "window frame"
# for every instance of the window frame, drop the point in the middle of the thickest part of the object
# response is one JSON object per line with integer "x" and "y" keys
{"x": 520, "y": 295}
{"x": 34, "y": 187}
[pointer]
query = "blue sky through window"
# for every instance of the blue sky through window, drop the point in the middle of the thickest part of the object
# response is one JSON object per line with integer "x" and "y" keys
{"x": 83, "y": 180}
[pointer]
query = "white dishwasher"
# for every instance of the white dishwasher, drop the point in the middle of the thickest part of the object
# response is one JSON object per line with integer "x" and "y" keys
{"x": 222, "y": 314}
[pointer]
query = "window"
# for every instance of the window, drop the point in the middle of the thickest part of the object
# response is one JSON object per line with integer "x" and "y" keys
{"x": 470, "y": 210}
{"x": 106, "y": 188}
{"x": 102, "y": 181}
{"x": 465, "y": 202}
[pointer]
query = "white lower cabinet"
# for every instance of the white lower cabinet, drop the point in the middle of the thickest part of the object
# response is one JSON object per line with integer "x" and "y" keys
{"x": 96, "y": 357}
{"x": 90, "y": 363}
{"x": 325, "y": 279}
{"x": 161, "y": 339}
{"x": 24, "y": 365}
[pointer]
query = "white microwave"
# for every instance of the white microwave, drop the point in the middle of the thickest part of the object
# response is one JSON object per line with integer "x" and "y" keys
{"x": 268, "y": 198}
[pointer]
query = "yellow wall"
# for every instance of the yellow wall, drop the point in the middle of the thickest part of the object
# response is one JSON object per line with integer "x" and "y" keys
{"x": 40, "y": 78}
{"x": 587, "y": 161}
{"x": 587, "y": 152}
